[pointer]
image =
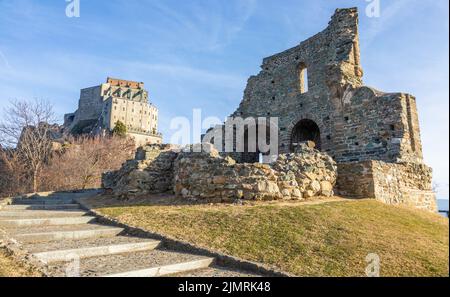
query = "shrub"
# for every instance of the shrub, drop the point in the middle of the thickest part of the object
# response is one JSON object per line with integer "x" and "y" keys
{"x": 120, "y": 129}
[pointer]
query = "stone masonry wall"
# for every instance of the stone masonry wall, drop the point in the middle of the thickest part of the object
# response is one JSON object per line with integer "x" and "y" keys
{"x": 355, "y": 122}
{"x": 151, "y": 171}
{"x": 206, "y": 175}
{"x": 404, "y": 183}
{"x": 304, "y": 174}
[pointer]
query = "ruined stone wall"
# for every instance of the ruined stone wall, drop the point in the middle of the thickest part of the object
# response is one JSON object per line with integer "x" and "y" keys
{"x": 208, "y": 176}
{"x": 403, "y": 183}
{"x": 151, "y": 171}
{"x": 372, "y": 135}
{"x": 355, "y": 180}
{"x": 299, "y": 175}
{"x": 379, "y": 126}
{"x": 355, "y": 122}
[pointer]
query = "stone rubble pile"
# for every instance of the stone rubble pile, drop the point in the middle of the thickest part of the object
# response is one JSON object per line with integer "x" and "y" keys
{"x": 151, "y": 171}
{"x": 307, "y": 170}
{"x": 206, "y": 175}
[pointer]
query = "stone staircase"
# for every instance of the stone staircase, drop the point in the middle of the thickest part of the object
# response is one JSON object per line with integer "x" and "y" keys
{"x": 56, "y": 231}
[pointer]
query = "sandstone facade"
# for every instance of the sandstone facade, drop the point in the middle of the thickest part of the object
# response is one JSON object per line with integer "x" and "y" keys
{"x": 100, "y": 108}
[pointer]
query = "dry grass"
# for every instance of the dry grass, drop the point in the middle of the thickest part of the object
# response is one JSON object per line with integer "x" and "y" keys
{"x": 326, "y": 239}
{"x": 10, "y": 268}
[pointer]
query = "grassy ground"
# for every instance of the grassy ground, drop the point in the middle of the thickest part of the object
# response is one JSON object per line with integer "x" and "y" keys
{"x": 325, "y": 239}
{"x": 10, "y": 268}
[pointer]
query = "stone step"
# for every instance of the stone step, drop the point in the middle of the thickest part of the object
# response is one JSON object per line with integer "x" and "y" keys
{"x": 68, "y": 255}
{"x": 215, "y": 271}
{"x": 47, "y": 221}
{"x": 146, "y": 263}
{"x": 68, "y": 244}
{"x": 7, "y": 214}
{"x": 33, "y": 201}
{"x": 78, "y": 232}
{"x": 41, "y": 207}
{"x": 167, "y": 269}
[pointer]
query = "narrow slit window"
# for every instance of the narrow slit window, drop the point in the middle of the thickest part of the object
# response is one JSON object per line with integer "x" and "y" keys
{"x": 303, "y": 78}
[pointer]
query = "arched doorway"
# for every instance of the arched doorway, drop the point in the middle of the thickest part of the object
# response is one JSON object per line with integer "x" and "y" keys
{"x": 305, "y": 130}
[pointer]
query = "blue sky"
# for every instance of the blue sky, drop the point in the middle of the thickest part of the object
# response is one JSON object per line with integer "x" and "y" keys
{"x": 199, "y": 53}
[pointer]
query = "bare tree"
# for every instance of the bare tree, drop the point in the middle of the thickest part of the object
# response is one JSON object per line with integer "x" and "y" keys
{"x": 13, "y": 175}
{"x": 25, "y": 127}
{"x": 82, "y": 163}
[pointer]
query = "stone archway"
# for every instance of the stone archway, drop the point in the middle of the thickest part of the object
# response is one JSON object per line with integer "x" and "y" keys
{"x": 305, "y": 130}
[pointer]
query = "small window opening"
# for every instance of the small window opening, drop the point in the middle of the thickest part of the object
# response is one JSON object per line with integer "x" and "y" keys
{"x": 303, "y": 78}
